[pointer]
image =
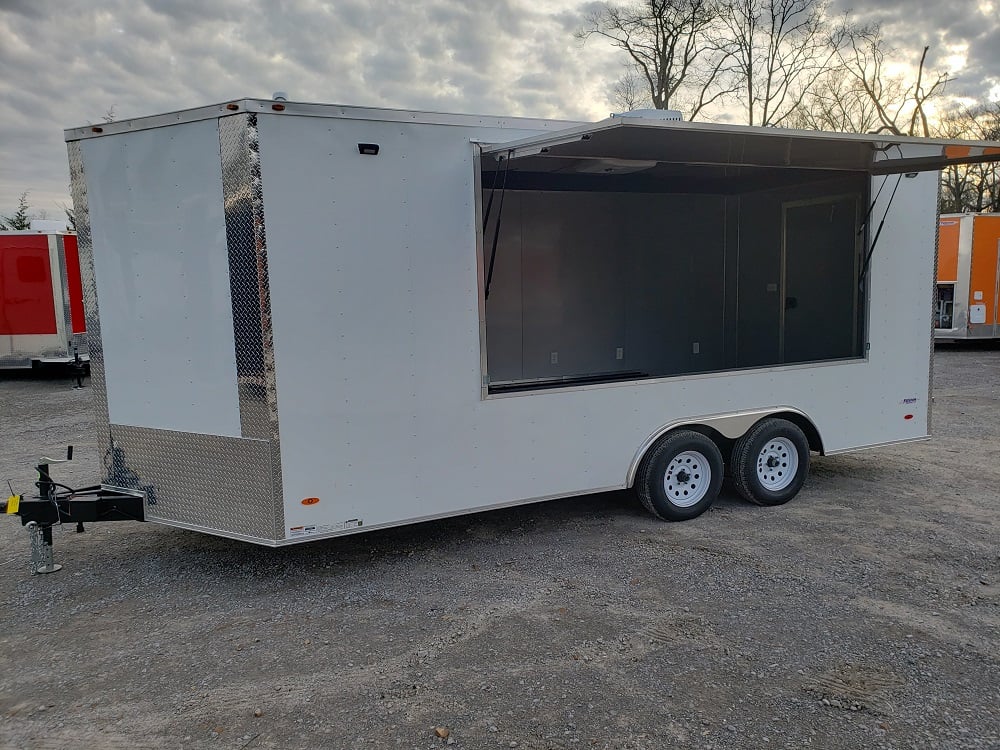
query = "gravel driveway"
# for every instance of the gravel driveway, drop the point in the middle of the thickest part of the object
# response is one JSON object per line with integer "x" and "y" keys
{"x": 865, "y": 614}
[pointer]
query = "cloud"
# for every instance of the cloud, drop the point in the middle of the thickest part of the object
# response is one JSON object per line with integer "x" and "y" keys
{"x": 26, "y": 8}
{"x": 66, "y": 64}
{"x": 970, "y": 25}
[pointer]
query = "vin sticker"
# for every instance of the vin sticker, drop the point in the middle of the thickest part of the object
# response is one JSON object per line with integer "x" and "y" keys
{"x": 297, "y": 531}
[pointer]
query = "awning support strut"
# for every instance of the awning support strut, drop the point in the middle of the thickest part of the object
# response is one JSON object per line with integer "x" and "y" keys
{"x": 878, "y": 232}
{"x": 496, "y": 227}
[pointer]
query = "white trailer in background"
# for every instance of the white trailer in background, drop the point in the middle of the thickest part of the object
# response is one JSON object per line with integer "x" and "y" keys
{"x": 492, "y": 311}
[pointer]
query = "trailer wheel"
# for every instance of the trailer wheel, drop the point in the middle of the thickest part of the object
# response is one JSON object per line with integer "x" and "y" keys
{"x": 770, "y": 463}
{"x": 679, "y": 478}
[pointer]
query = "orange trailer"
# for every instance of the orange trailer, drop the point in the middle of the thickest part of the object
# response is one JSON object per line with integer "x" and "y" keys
{"x": 968, "y": 277}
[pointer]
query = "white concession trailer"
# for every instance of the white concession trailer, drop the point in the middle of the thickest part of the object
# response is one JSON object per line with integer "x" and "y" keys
{"x": 310, "y": 320}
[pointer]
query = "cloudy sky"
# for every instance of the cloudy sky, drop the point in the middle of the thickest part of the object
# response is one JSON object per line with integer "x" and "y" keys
{"x": 66, "y": 63}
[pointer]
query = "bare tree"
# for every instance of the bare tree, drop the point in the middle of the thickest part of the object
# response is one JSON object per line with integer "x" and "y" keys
{"x": 857, "y": 94}
{"x": 630, "y": 92}
{"x": 108, "y": 116}
{"x": 670, "y": 46}
{"x": 900, "y": 105}
{"x": 972, "y": 187}
{"x": 835, "y": 103}
{"x": 779, "y": 49}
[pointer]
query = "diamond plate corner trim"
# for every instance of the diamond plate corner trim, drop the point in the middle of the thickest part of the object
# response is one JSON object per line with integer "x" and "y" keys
{"x": 64, "y": 285}
{"x": 211, "y": 483}
{"x": 246, "y": 238}
{"x": 79, "y": 345}
{"x": 934, "y": 294}
{"x": 85, "y": 249}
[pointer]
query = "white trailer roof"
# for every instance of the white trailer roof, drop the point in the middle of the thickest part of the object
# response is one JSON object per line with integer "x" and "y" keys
{"x": 306, "y": 109}
{"x": 622, "y": 140}
{"x": 63, "y": 230}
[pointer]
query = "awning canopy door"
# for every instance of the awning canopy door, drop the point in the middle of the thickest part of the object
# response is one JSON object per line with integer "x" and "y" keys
{"x": 624, "y": 145}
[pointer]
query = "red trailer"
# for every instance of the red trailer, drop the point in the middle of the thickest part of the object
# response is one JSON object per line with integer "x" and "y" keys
{"x": 41, "y": 299}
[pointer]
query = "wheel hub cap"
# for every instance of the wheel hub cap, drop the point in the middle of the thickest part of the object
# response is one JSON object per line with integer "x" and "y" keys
{"x": 777, "y": 464}
{"x": 687, "y": 478}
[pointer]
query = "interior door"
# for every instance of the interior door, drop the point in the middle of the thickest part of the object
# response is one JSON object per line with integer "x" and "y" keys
{"x": 819, "y": 279}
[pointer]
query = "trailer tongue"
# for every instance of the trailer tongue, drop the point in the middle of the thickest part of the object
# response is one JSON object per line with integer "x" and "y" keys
{"x": 56, "y": 505}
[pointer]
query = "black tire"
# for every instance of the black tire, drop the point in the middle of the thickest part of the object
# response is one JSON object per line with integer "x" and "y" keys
{"x": 652, "y": 480}
{"x": 777, "y": 438}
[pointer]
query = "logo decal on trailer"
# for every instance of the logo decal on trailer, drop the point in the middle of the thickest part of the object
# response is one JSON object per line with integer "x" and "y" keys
{"x": 909, "y": 401}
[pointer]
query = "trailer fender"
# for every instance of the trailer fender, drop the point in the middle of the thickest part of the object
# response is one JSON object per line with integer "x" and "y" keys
{"x": 726, "y": 428}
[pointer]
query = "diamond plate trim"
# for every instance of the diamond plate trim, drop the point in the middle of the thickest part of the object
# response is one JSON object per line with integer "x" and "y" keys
{"x": 14, "y": 361}
{"x": 77, "y": 341}
{"x": 243, "y": 197}
{"x": 209, "y": 482}
{"x": 79, "y": 344}
{"x": 64, "y": 286}
{"x": 930, "y": 366}
{"x": 94, "y": 343}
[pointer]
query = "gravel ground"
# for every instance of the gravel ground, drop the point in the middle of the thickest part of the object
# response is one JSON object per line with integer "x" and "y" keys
{"x": 865, "y": 614}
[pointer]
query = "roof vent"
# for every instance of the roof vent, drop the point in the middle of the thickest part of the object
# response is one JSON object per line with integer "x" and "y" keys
{"x": 281, "y": 96}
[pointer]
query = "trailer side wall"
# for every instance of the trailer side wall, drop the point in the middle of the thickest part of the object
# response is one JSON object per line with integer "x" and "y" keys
{"x": 378, "y": 354}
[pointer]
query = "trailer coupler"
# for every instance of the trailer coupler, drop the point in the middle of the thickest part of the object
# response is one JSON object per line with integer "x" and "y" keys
{"x": 58, "y": 504}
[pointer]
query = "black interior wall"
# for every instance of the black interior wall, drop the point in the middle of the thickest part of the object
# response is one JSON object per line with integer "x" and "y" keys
{"x": 759, "y": 248}
{"x": 677, "y": 284}
{"x": 587, "y": 283}
{"x": 649, "y": 284}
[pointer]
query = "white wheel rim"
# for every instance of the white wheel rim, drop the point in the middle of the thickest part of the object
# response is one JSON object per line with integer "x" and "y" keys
{"x": 687, "y": 478}
{"x": 777, "y": 464}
